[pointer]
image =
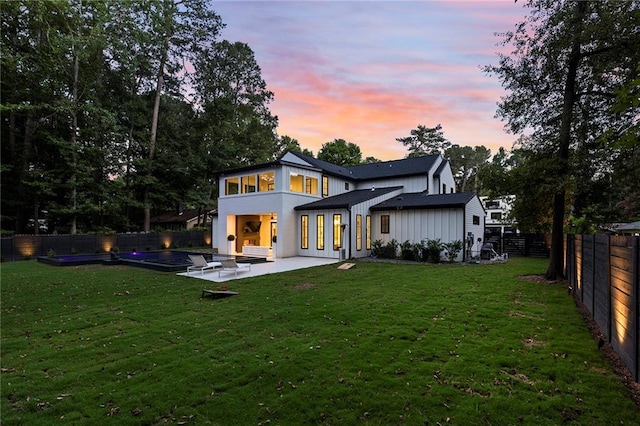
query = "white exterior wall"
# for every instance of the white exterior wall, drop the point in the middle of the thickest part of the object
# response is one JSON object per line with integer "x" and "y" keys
{"x": 417, "y": 183}
{"x": 474, "y": 208}
{"x": 337, "y": 186}
{"x": 280, "y": 202}
{"x": 446, "y": 177}
{"x": 328, "y": 250}
{"x": 349, "y": 237}
{"x": 418, "y": 225}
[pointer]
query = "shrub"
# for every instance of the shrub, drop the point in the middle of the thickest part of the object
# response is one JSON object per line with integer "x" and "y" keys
{"x": 410, "y": 251}
{"x": 433, "y": 249}
{"x": 391, "y": 249}
{"x": 377, "y": 248}
{"x": 453, "y": 249}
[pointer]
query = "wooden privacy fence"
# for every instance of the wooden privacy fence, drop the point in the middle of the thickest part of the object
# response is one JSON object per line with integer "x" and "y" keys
{"x": 603, "y": 271}
{"x": 19, "y": 247}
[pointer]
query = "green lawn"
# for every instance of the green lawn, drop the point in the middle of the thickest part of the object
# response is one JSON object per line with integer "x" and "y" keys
{"x": 378, "y": 344}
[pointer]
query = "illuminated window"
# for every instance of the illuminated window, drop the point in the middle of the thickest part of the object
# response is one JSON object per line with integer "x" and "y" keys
{"x": 337, "y": 231}
{"x": 231, "y": 186}
{"x": 384, "y": 224}
{"x": 296, "y": 182}
{"x": 311, "y": 185}
{"x": 320, "y": 232}
{"x": 359, "y": 232}
{"x": 325, "y": 186}
{"x": 248, "y": 184}
{"x": 304, "y": 231}
{"x": 266, "y": 182}
{"x": 368, "y": 233}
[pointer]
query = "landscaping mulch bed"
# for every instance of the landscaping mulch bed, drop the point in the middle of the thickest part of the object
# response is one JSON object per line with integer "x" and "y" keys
{"x": 619, "y": 368}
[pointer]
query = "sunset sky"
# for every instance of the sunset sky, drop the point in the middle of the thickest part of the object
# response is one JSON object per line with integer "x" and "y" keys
{"x": 371, "y": 71}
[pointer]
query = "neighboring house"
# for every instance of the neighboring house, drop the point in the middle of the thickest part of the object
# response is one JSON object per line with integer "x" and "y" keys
{"x": 498, "y": 222}
{"x": 182, "y": 220}
{"x": 632, "y": 228}
{"x": 319, "y": 209}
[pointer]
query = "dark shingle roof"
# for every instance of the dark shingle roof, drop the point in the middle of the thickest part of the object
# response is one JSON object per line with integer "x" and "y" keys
{"x": 387, "y": 169}
{"x": 329, "y": 168}
{"x": 347, "y": 199}
{"x": 419, "y": 200}
{"x": 404, "y": 167}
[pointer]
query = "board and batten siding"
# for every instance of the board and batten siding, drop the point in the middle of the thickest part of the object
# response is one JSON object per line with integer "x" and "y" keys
{"x": 474, "y": 208}
{"x": 418, "y": 183}
{"x": 363, "y": 210}
{"x": 313, "y": 250}
{"x": 420, "y": 224}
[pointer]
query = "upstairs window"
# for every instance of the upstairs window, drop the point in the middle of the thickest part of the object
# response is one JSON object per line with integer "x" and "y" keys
{"x": 248, "y": 184}
{"x": 296, "y": 182}
{"x": 311, "y": 185}
{"x": 266, "y": 181}
{"x": 231, "y": 186}
{"x": 325, "y": 186}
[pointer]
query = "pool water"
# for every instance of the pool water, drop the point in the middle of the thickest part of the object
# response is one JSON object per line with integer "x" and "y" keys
{"x": 165, "y": 260}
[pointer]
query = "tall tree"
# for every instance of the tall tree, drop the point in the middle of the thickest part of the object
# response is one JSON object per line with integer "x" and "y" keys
{"x": 180, "y": 31}
{"x": 340, "y": 152}
{"x": 568, "y": 60}
{"x": 466, "y": 165}
{"x": 425, "y": 141}
{"x": 235, "y": 121}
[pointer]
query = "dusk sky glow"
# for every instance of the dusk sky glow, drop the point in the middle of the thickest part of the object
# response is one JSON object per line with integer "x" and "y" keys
{"x": 371, "y": 71}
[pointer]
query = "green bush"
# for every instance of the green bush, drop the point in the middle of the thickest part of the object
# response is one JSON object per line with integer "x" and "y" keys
{"x": 453, "y": 249}
{"x": 377, "y": 248}
{"x": 433, "y": 250}
{"x": 391, "y": 249}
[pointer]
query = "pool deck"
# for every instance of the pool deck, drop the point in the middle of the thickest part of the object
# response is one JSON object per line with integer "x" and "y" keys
{"x": 257, "y": 269}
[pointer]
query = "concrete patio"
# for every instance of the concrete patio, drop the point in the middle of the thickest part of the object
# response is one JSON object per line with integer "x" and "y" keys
{"x": 257, "y": 269}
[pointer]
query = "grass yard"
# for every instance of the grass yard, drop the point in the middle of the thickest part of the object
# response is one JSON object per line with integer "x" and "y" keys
{"x": 379, "y": 344}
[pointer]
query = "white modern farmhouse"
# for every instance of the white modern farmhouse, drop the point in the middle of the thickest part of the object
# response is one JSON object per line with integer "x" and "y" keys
{"x": 319, "y": 209}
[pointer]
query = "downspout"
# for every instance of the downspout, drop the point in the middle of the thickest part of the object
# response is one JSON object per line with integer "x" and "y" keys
{"x": 464, "y": 232}
{"x": 348, "y": 256}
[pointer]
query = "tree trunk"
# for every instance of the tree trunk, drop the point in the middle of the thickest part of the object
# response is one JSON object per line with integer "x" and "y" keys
{"x": 74, "y": 142}
{"x": 152, "y": 144}
{"x": 555, "y": 269}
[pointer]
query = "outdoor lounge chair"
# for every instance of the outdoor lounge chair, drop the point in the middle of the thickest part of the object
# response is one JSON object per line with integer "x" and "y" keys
{"x": 199, "y": 263}
{"x": 231, "y": 266}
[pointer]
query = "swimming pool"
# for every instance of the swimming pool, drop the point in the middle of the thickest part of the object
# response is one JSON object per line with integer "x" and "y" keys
{"x": 164, "y": 260}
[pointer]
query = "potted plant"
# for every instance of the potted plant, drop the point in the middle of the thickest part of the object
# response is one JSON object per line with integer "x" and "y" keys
{"x": 230, "y": 243}
{"x": 274, "y": 241}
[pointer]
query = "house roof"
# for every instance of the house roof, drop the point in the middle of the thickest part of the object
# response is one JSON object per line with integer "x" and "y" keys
{"x": 348, "y": 199}
{"x": 633, "y": 226}
{"x": 441, "y": 167}
{"x": 372, "y": 171}
{"x": 420, "y": 200}
{"x": 403, "y": 167}
{"x": 329, "y": 168}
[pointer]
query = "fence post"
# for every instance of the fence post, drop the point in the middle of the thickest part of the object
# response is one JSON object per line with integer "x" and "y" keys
{"x": 636, "y": 288}
{"x": 609, "y": 281}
